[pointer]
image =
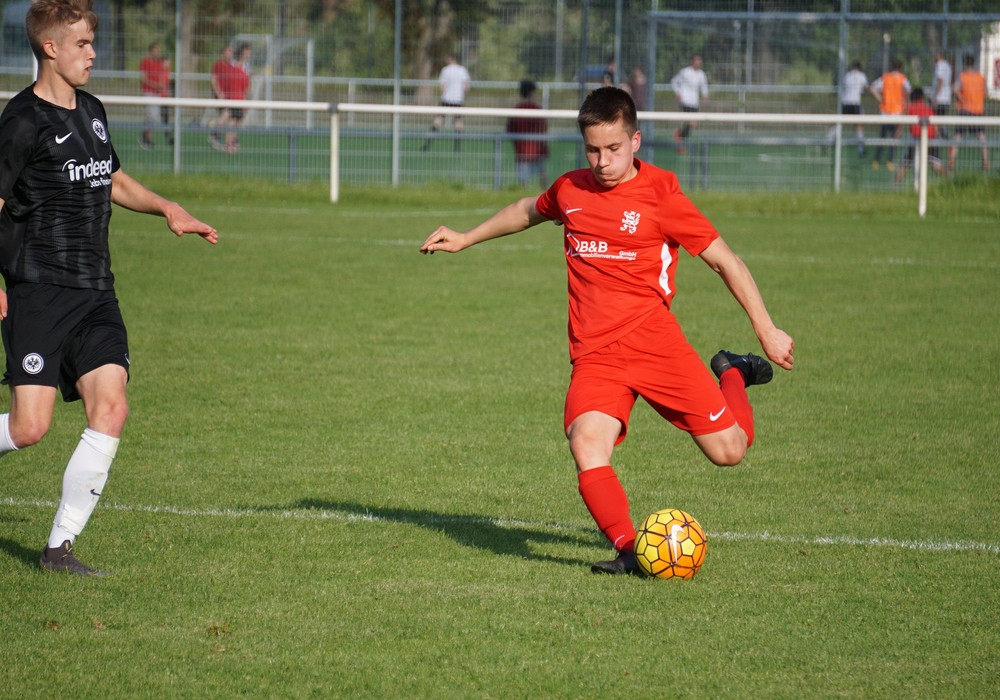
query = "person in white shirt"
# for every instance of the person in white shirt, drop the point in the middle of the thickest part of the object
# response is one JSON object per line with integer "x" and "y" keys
{"x": 455, "y": 83}
{"x": 852, "y": 87}
{"x": 941, "y": 91}
{"x": 691, "y": 86}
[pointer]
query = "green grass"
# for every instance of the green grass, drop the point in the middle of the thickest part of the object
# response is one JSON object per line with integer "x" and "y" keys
{"x": 344, "y": 473}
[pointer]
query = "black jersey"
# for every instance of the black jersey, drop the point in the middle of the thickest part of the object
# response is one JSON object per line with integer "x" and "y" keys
{"x": 55, "y": 180}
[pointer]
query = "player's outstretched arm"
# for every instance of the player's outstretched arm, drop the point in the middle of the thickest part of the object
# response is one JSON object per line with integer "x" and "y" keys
{"x": 511, "y": 219}
{"x": 777, "y": 345}
{"x": 127, "y": 192}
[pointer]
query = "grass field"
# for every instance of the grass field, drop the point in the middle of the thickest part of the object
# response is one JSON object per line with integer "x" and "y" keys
{"x": 344, "y": 473}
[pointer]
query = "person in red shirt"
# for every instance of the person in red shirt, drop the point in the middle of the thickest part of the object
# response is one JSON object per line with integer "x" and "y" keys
{"x": 918, "y": 107}
{"x": 624, "y": 224}
{"x": 970, "y": 99}
{"x": 229, "y": 82}
{"x": 154, "y": 80}
{"x": 529, "y": 154}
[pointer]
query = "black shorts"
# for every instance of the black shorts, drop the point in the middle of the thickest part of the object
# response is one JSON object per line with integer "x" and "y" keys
{"x": 969, "y": 128}
{"x": 54, "y": 335}
{"x": 911, "y": 155}
{"x": 450, "y": 104}
{"x": 850, "y": 109}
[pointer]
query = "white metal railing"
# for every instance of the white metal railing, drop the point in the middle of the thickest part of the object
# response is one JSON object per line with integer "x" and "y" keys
{"x": 335, "y": 110}
{"x": 834, "y": 120}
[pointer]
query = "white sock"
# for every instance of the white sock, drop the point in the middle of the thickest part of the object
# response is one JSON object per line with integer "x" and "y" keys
{"x": 6, "y": 444}
{"x": 83, "y": 482}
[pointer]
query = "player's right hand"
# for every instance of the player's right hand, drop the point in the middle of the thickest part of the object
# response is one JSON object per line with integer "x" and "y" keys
{"x": 444, "y": 239}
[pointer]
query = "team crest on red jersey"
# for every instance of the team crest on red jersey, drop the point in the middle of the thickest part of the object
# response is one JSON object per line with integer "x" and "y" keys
{"x": 630, "y": 222}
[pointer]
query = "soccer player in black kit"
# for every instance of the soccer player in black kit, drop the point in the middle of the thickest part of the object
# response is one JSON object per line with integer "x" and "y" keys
{"x": 62, "y": 326}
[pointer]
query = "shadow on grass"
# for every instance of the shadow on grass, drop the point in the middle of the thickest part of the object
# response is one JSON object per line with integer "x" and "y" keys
{"x": 513, "y": 538}
{"x": 18, "y": 552}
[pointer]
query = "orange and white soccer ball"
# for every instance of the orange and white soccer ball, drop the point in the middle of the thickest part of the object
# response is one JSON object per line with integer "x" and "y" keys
{"x": 670, "y": 544}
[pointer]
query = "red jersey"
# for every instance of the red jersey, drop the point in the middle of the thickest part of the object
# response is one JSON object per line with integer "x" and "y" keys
{"x": 155, "y": 76}
{"x": 621, "y": 248}
{"x": 232, "y": 80}
{"x": 527, "y": 151}
{"x": 921, "y": 109}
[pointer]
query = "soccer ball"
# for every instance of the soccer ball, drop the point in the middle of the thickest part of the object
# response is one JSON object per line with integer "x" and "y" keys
{"x": 670, "y": 543}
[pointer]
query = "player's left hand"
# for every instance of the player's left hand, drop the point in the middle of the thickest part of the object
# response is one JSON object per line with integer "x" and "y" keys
{"x": 180, "y": 222}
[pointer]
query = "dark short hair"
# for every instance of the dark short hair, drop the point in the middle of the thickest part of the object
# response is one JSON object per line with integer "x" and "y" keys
{"x": 606, "y": 105}
{"x": 527, "y": 87}
{"x": 916, "y": 95}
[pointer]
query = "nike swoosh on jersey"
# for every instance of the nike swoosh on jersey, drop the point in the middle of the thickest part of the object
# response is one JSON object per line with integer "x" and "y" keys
{"x": 61, "y": 139}
{"x": 716, "y": 416}
{"x": 570, "y": 211}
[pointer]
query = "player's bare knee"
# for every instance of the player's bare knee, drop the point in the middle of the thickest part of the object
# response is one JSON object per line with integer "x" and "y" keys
{"x": 729, "y": 457}
{"x": 109, "y": 417}
{"x": 729, "y": 452}
{"x": 25, "y": 433}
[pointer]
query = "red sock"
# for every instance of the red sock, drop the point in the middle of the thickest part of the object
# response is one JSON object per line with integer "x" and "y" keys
{"x": 606, "y": 500}
{"x": 734, "y": 390}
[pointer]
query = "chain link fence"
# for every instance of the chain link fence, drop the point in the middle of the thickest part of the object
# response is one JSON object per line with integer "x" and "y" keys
{"x": 760, "y": 57}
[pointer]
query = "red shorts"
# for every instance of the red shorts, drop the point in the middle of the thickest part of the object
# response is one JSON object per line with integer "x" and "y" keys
{"x": 656, "y": 362}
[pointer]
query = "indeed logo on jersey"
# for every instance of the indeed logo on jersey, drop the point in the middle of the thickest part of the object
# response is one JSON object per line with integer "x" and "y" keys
{"x": 595, "y": 249}
{"x": 97, "y": 171}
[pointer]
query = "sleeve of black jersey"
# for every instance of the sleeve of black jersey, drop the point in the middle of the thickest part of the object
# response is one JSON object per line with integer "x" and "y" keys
{"x": 17, "y": 144}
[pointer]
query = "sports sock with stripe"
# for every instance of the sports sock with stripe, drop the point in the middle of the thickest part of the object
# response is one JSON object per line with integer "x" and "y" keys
{"x": 606, "y": 500}
{"x": 734, "y": 390}
{"x": 83, "y": 482}
{"x": 6, "y": 444}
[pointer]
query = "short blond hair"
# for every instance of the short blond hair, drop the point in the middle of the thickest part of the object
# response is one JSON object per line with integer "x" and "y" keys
{"x": 46, "y": 18}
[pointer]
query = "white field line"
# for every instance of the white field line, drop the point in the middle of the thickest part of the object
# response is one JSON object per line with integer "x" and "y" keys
{"x": 320, "y": 237}
{"x": 341, "y": 516}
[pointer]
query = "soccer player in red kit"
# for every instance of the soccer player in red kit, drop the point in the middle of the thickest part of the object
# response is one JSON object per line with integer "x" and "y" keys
{"x": 624, "y": 223}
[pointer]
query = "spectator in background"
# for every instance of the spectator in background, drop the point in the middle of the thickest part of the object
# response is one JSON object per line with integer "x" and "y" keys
{"x": 243, "y": 57}
{"x": 852, "y": 87}
{"x": 941, "y": 90}
{"x": 691, "y": 86}
{"x": 229, "y": 82}
{"x": 636, "y": 86}
{"x": 610, "y": 73}
{"x": 242, "y": 63}
{"x": 218, "y": 77}
{"x": 154, "y": 80}
{"x": 970, "y": 100}
{"x": 455, "y": 82}
{"x": 891, "y": 90}
{"x": 529, "y": 154}
{"x": 918, "y": 107}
